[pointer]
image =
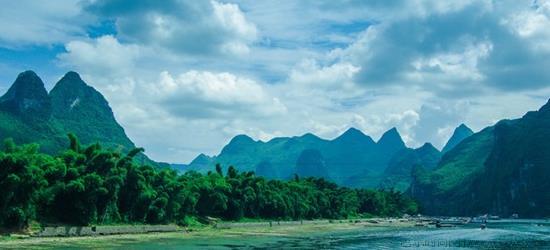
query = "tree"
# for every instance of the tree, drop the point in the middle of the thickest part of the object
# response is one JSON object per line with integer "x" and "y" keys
{"x": 93, "y": 185}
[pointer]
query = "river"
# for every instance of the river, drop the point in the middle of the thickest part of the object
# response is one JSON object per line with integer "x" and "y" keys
{"x": 503, "y": 234}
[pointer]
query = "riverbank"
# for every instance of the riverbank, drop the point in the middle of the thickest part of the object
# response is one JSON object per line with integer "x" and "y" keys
{"x": 220, "y": 233}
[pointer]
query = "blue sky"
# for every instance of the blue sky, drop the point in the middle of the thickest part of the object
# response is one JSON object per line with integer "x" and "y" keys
{"x": 184, "y": 77}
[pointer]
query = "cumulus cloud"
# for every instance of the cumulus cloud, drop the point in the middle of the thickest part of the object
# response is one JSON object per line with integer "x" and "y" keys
{"x": 335, "y": 76}
{"x": 184, "y": 77}
{"x": 188, "y": 27}
{"x": 196, "y": 94}
{"x": 458, "y": 66}
{"x": 176, "y": 113}
{"x": 27, "y": 23}
{"x": 467, "y": 43}
{"x": 100, "y": 56}
{"x": 532, "y": 25}
{"x": 437, "y": 121}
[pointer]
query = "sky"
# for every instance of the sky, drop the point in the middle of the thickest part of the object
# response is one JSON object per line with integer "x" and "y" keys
{"x": 184, "y": 77}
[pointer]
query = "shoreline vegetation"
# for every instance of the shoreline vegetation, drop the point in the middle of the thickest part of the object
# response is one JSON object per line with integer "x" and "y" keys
{"x": 91, "y": 185}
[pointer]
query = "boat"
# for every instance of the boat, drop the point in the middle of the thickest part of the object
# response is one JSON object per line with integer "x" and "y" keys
{"x": 454, "y": 221}
{"x": 480, "y": 219}
{"x": 440, "y": 225}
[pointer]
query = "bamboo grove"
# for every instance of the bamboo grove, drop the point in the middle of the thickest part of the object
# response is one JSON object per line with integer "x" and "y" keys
{"x": 94, "y": 185}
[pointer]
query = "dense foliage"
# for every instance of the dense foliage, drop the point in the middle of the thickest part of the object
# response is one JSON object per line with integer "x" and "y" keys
{"x": 94, "y": 185}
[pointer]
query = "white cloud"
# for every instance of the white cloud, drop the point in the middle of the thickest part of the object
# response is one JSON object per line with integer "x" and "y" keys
{"x": 40, "y": 22}
{"x": 198, "y": 28}
{"x": 233, "y": 19}
{"x": 184, "y": 77}
{"x": 207, "y": 94}
{"x": 532, "y": 25}
{"x": 424, "y": 8}
{"x": 438, "y": 118}
{"x": 189, "y": 112}
{"x": 406, "y": 121}
{"x": 452, "y": 66}
{"x": 335, "y": 76}
{"x": 104, "y": 55}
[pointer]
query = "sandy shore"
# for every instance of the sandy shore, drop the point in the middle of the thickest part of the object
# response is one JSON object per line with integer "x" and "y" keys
{"x": 208, "y": 232}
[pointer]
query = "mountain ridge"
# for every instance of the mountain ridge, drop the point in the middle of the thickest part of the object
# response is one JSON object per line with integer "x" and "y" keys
{"x": 27, "y": 97}
{"x": 348, "y": 157}
{"x": 398, "y": 174}
{"x": 460, "y": 133}
{"x": 72, "y": 106}
{"x": 502, "y": 170}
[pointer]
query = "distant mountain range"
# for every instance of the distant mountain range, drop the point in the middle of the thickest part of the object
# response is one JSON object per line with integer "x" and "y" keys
{"x": 352, "y": 159}
{"x": 29, "y": 114}
{"x": 502, "y": 169}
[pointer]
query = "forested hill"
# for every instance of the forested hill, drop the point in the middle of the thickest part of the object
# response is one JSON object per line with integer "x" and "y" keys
{"x": 502, "y": 170}
{"x": 352, "y": 159}
{"x": 94, "y": 185}
{"x": 398, "y": 174}
{"x": 29, "y": 114}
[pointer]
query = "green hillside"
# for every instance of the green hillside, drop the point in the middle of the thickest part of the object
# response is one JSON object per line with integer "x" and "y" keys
{"x": 29, "y": 114}
{"x": 84, "y": 111}
{"x": 352, "y": 159}
{"x": 460, "y": 133}
{"x": 398, "y": 174}
{"x": 500, "y": 170}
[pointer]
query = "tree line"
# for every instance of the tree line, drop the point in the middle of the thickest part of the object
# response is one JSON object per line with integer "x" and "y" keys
{"x": 95, "y": 185}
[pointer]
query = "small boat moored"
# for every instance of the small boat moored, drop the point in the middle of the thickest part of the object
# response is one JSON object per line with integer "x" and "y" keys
{"x": 438, "y": 224}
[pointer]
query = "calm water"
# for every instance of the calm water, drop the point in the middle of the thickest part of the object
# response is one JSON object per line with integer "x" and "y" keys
{"x": 517, "y": 234}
